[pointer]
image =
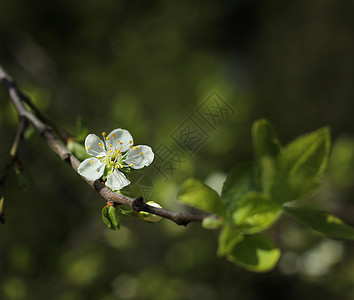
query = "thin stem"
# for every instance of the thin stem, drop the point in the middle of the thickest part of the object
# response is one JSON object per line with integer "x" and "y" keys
{"x": 57, "y": 146}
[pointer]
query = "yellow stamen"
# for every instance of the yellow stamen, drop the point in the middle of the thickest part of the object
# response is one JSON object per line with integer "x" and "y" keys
{"x": 110, "y": 146}
{"x": 107, "y": 138}
{"x": 120, "y": 147}
{"x": 103, "y": 133}
{"x": 120, "y": 143}
{"x": 131, "y": 165}
{"x": 113, "y": 135}
{"x": 116, "y": 166}
{"x": 119, "y": 154}
{"x": 141, "y": 153}
{"x": 130, "y": 141}
{"x": 99, "y": 157}
{"x": 110, "y": 151}
{"x": 111, "y": 172}
{"x": 131, "y": 146}
{"x": 135, "y": 147}
{"x": 99, "y": 144}
{"x": 88, "y": 148}
{"x": 91, "y": 162}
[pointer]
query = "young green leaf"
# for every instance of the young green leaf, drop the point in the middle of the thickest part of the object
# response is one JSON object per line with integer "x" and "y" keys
{"x": 195, "y": 193}
{"x": 256, "y": 212}
{"x": 110, "y": 217}
{"x": 228, "y": 238}
{"x": 323, "y": 222}
{"x": 105, "y": 217}
{"x": 239, "y": 182}
{"x": 255, "y": 252}
{"x": 211, "y": 223}
{"x": 276, "y": 184}
{"x": 114, "y": 218}
{"x": 307, "y": 156}
{"x": 295, "y": 172}
{"x": 264, "y": 140}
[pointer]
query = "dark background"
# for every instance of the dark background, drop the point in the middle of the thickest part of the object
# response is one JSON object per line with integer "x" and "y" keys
{"x": 146, "y": 67}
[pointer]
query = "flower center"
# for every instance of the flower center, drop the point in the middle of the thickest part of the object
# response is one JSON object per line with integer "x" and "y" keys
{"x": 114, "y": 159}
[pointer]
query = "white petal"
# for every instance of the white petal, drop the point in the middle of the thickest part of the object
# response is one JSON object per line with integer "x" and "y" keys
{"x": 117, "y": 180}
{"x": 91, "y": 168}
{"x": 92, "y": 145}
{"x": 120, "y": 139}
{"x": 139, "y": 157}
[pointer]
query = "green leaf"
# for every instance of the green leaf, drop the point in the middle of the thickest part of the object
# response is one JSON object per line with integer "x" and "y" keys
{"x": 264, "y": 140}
{"x": 114, "y": 218}
{"x": 256, "y": 212}
{"x": 195, "y": 193}
{"x": 275, "y": 183}
{"x": 211, "y": 223}
{"x": 255, "y": 253}
{"x": 322, "y": 222}
{"x": 239, "y": 182}
{"x": 295, "y": 172}
{"x": 105, "y": 217}
{"x": 306, "y": 156}
{"x": 110, "y": 217}
{"x": 228, "y": 238}
{"x": 127, "y": 212}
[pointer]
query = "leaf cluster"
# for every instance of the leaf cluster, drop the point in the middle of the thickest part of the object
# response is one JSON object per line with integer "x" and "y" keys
{"x": 257, "y": 193}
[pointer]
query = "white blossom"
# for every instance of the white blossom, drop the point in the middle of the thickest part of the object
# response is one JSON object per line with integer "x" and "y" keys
{"x": 116, "y": 152}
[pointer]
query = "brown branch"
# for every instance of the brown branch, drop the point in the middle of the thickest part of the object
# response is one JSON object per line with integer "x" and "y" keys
{"x": 56, "y": 145}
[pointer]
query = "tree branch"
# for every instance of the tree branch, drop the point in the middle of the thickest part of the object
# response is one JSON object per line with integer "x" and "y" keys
{"x": 39, "y": 122}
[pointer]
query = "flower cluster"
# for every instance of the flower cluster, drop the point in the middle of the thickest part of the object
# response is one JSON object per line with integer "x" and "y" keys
{"x": 113, "y": 156}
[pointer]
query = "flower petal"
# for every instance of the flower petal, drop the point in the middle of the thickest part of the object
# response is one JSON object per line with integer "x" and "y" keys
{"x": 139, "y": 157}
{"x": 92, "y": 145}
{"x": 91, "y": 168}
{"x": 117, "y": 180}
{"x": 120, "y": 139}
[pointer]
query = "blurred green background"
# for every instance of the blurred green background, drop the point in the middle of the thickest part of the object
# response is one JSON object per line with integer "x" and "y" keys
{"x": 146, "y": 66}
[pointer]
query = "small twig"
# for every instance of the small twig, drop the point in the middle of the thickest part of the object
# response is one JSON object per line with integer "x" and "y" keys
{"x": 45, "y": 131}
{"x": 13, "y": 160}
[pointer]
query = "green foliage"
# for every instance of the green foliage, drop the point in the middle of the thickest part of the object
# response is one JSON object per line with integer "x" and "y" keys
{"x": 110, "y": 217}
{"x": 255, "y": 212}
{"x": 295, "y": 172}
{"x": 195, "y": 193}
{"x": 253, "y": 195}
{"x": 239, "y": 182}
{"x": 264, "y": 140}
{"x": 323, "y": 222}
{"x": 253, "y": 252}
{"x": 212, "y": 223}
